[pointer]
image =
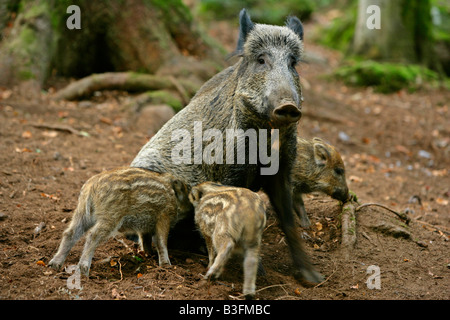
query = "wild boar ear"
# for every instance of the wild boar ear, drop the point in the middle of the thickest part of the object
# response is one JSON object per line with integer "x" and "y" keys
{"x": 195, "y": 195}
{"x": 317, "y": 139}
{"x": 181, "y": 189}
{"x": 245, "y": 26}
{"x": 295, "y": 25}
{"x": 321, "y": 154}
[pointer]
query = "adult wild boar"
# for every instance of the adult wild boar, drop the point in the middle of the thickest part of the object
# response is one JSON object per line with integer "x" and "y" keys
{"x": 259, "y": 95}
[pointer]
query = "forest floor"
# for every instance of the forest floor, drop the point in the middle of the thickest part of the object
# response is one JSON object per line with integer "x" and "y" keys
{"x": 396, "y": 149}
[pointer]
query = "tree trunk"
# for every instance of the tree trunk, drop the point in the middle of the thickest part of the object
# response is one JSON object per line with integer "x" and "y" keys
{"x": 405, "y": 33}
{"x": 135, "y": 35}
{"x": 26, "y": 52}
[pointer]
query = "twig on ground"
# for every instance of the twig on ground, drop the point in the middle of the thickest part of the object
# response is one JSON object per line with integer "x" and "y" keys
{"x": 400, "y": 215}
{"x": 59, "y": 127}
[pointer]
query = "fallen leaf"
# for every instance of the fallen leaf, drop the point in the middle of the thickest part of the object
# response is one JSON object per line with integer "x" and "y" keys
{"x": 403, "y": 149}
{"x": 41, "y": 263}
{"x": 6, "y": 94}
{"x": 297, "y": 291}
{"x": 139, "y": 275}
{"x": 355, "y": 286}
{"x": 365, "y": 140}
{"x": 106, "y": 120}
{"x": 319, "y": 226}
{"x": 439, "y": 173}
{"x": 442, "y": 201}
{"x": 406, "y": 260}
{"x": 18, "y": 150}
{"x": 355, "y": 179}
{"x": 50, "y": 196}
{"x": 112, "y": 263}
{"x": 316, "y": 246}
{"x": 63, "y": 114}
{"x": 50, "y": 134}
{"x": 27, "y": 135}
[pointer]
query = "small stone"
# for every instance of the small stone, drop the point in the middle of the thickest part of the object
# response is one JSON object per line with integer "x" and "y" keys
{"x": 422, "y": 244}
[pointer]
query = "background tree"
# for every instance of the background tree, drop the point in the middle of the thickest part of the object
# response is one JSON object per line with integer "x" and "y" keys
{"x": 149, "y": 36}
{"x": 405, "y": 35}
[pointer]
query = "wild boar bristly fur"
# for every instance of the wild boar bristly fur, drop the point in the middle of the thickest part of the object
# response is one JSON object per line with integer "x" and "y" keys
{"x": 261, "y": 91}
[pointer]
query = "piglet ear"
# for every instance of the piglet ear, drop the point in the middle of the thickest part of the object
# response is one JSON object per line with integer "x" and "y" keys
{"x": 195, "y": 195}
{"x": 245, "y": 26}
{"x": 181, "y": 189}
{"x": 321, "y": 154}
{"x": 295, "y": 25}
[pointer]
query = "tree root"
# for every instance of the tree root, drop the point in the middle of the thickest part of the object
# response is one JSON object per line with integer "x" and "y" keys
{"x": 127, "y": 81}
{"x": 402, "y": 216}
{"x": 348, "y": 223}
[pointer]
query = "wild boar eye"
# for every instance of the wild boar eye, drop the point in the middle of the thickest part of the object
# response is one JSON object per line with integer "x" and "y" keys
{"x": 339, "y": 171}
{"x": 293, "y": 62}
{"x": 261, "y": 60}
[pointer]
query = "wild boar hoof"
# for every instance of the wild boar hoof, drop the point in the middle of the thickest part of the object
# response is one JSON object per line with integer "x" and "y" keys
{"x": 305, "y": 223}
{"x": 309, "y": 277}
{"x": 249, "y": 296}
{"x": 55, "y": 265}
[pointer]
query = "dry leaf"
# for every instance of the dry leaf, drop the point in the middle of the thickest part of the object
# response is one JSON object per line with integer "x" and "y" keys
{"x": 439, "y": 173}
{"x": 403, "y": 149}
{"x": 18, "y": 150}
{"x": 442, "y": 201}
{"x": 50, "y": 134}
{"x": 106, "y": 120}
{"x": 297, "y": 291}
{"x": 355, "y": 287}
{"x": 27, "y": 134}
{"x": 139, "y": 275}
{"x": 6, "y": 94}
{"x": 365, "y": 140}
{"x": 112, "y": 263}
{"x": 41, "y": 263}
{"x": 50, "y": 196}
{"x": 319, "y": 226}
{"x": 355, "y": 179}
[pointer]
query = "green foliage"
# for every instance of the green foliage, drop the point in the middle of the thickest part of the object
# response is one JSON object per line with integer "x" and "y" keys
{"x": 385, "y": 77}
{"x": 165, "y": 97}
{"x": 261, "y": 11}
{"x": 339, "y": 33}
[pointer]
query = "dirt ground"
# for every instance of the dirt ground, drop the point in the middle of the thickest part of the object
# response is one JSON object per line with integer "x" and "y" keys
{"x": 396, "y": 149}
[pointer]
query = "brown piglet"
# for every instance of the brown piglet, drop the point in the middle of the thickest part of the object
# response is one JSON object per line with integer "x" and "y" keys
{"x": 126, "y": 200}
{"x": 231, "y": 220}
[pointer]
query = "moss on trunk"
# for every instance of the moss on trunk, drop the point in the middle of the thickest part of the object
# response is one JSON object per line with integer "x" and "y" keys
{"x": 116, "y": 35}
